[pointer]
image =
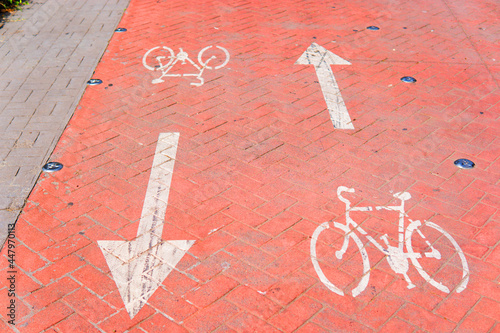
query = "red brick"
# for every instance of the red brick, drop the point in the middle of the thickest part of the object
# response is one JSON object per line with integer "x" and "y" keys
{"x": 77, "y": 210}
{"x": 277, "y": 205}
{"x": 488, "y": 308}
{"x": 347, "y": 305}
{"x": 249, "y": 254}
{"x": 244, "y": 198}
{"x": 69, "y": 229}
{"x": 25, "y": 285}
{"x": 28, "y": 260}
{"x": 375, "y": 314}
{"x": 256, "y": 302}
{"x": 312, "y": 328}
{"x": 47, "y": 317}
{"x": 247, "y": 234}
{"x": 290, "y": 287}
{"x": 75, "y": 323}
{"x": 425, "y": 296}
{"x": 58, "y": 269}
{"x": 224, "y": 329}
{"x": 476, "y": 322}
{"x": 121, "y": 322}
{"x": 110, "y": 199}
{"x": 251, "y": 276}
{"x": 272, "y": 189}
{"x": 424, "y": 319}
{"x": 64, "y": 248}
{"x": 284, "y": 242}
{"x": 210, "y": 292}
{"x": 296, "y": 314}
{"x": 330, "y": 318}
{"x": 211, "y": 244}
{"x": 479, "y": 215}
{"x": 280, "y": 223}
{"x": 287, "y": 263}
{"x": 99, "y": 233}
{"x": 489, "y": 234}
{"x": 212, "y": 224}
{"x": 211, "y": 317}
{"x": 93, "y": 255}
{"x": 89, "y": 306}
{"x": 116, "y": 185}
{"x": 484, "y": 287}
{"x": 245, "y": 322}
{"x": 210, "y": 207}
{"x": 244, "y": 215}
{"x": 32, "y": 236}
{"x": 4, "y": 327}
{"x": 159, "y": 323}
{"x": 396, "y": 325}
{"x": 108, "y": 218}
{"x": 94, "y": 280}
{"x": 40, "y": 219}
{"x": 51, "y": 293}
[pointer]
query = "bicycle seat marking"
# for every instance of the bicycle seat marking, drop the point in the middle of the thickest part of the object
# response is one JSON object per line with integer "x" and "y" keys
{"x": 398, "y": 259}
{"x": 163, "y": 59}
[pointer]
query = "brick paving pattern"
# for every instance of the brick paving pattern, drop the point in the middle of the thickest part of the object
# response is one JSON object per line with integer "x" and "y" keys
{"x": 48, "y": 51}
{"x": 258, "y": 166}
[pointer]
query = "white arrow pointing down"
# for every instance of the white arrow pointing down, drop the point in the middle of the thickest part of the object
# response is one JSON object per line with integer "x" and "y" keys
{"x": 139, "y": 266}
{"x": 321, "y": 58}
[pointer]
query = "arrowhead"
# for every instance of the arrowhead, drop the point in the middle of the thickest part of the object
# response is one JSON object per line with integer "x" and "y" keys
{"x": 316, "y": 55}
{"x": 137, "y": 273}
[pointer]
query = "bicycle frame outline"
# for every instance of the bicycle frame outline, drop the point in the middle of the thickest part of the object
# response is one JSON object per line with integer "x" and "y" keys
{"x": 183, "y": 56}
{"x": 397, "y": 258}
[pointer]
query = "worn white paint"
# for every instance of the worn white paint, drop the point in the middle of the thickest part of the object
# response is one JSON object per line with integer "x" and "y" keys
{"x": 166, "y": 59}
{"x": 398, "y": 259}
{"x": 414, "y": 225}
{"x": 322, "y": 59}
{"x": 139, "y": 266}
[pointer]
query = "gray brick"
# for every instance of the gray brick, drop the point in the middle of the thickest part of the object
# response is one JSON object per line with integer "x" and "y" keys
{"x": 3, "y": 153}
{"x": 6, "y": 217}
{"x": 49, "y": 55}
{"x": 45, "y": 108}
{"x": 5, "y": 203}
{"x": 19, "y": 161}
{"x": 22, "y": 151}
{"x": 7, "y": 174}
{"x": 18, "y": 124}
{"x": 44, "y": 138}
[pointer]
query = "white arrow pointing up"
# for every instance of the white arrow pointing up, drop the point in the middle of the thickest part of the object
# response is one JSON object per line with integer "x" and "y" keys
{"x": 321, "y": 58}
{"x": 140, "y": 266}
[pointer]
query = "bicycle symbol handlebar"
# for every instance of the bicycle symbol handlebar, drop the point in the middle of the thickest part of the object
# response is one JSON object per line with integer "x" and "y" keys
{"x": 163, "y": 59}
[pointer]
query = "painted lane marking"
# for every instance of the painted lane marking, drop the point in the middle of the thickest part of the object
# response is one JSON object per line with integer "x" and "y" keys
{"x": 399, "y": 260}
{"x": 139, "y": 266}
{"x": 321, "y": 58}
{"x": 163, "y": 59}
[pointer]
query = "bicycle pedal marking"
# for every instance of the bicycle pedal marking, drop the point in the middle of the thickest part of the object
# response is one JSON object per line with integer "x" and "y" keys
{"x": 399, "y": 260}
{"x": 163, "y": 59}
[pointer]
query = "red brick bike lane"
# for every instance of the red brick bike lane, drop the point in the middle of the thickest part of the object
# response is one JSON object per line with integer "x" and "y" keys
{"x": 278, "y": 221}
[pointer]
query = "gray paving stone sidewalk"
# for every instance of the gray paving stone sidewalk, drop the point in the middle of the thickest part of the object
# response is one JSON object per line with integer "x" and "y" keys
{"x": 48, "y": 51}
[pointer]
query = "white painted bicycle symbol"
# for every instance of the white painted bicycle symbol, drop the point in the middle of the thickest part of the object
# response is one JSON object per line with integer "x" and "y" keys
{"x": 163, "y": 59}
{"x": 396, "y": 256}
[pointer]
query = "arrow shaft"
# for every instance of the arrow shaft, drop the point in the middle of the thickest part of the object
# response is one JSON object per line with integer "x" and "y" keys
{"x": 334, "y": 102}
{"x": 156, "y": 200}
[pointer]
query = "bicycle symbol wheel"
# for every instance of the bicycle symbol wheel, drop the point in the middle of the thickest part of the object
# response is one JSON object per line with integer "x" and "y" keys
{"x": 158, "y": 58}
{"x": 224, "y": 55}
{"x": 445, "y": 253}
{"x": 343, "y": 253}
